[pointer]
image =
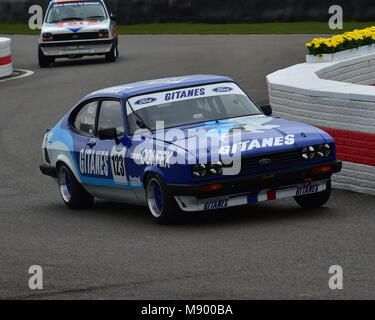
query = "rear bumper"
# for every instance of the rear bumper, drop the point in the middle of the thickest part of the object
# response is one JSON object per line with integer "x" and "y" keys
{"x": 80, "y": 48}
{"x": 48, "y": 171}
{"x": 259, "y": 181}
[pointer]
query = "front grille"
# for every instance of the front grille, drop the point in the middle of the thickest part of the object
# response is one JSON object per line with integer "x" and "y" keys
{"x": 277, "y": 159}
{"x": 75, "y": 36}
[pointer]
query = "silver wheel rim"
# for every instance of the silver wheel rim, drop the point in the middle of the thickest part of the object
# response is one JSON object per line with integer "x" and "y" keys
{"x": 155, "y": 198}
{"x": 65, "y": 184}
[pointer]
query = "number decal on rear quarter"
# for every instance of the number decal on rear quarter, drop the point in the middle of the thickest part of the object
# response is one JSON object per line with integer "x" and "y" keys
{"x": 118, "y": 164}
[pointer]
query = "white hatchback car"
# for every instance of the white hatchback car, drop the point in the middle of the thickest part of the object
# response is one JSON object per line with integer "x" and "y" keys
{"x": 73, "y": 29}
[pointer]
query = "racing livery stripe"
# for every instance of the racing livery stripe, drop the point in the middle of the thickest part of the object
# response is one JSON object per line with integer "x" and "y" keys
{"x": 355, "y": 147}
{"x": 5, "y": 60}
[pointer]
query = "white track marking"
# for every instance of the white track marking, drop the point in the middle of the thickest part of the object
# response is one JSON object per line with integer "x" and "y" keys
{"x": 25, "y": 74}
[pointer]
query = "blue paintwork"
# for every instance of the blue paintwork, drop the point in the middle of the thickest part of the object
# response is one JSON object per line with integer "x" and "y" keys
{"x": 305, "y": 135}
{"x": 143, "y": 87}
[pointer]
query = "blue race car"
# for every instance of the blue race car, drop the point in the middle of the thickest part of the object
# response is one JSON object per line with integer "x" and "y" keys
{"x": 185, "y": 144}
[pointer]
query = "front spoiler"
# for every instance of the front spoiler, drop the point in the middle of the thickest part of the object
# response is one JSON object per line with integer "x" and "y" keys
{"x": 87, "y": 47}
{"x": 257, "y": 181}
{"x": 193, "y": 204}
{"x": 48, "y": 171}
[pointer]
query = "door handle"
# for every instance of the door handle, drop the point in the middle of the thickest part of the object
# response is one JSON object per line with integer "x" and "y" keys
{"x": 91, "y": 144}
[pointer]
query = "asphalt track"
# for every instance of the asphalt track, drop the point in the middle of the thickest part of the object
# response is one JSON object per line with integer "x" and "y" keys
{"x": 271, "y": 250}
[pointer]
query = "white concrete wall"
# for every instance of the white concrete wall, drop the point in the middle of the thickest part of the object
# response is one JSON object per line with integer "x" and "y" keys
{"x": 331, "y": 95}
{"x": 5, "y": 51}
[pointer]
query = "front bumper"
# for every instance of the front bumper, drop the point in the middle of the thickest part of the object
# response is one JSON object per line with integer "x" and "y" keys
{"x": 253, "y": 188}
{"x": 192, "y": 204}
{"x": 258, "y": 181}
{"x": 48, "y": 170}
{"x": 76, "y": 48}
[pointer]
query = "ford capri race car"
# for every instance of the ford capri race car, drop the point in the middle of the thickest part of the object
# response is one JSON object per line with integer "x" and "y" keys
{"x": 185, "y": 144}
{"x": 73, "y": 29}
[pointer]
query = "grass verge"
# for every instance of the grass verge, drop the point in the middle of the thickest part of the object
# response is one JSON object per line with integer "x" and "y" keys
{"x": 204, "y": 28}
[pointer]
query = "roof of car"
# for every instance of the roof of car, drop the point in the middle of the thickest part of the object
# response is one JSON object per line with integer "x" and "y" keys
{"x": 143, "y": 87}
{"x": 62, "y": 1}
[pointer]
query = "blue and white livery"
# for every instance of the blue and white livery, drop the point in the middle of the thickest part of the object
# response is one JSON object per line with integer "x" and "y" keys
{"x": 192, "y": 143}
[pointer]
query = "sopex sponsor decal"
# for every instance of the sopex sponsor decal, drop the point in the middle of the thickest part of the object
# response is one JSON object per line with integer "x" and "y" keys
{"x": 149, "y": 157}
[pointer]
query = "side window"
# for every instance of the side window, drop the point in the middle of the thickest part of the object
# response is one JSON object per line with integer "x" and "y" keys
{"x": 85, "y": 118}
{"x": 110, "y": 116}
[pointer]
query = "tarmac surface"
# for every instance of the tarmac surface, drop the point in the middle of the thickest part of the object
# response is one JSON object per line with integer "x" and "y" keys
{"x": 272, "y": 250}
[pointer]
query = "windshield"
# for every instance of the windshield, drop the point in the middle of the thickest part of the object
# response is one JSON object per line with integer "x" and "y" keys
{"x": 190, "y": 106}
{"x": 76, "y": 11}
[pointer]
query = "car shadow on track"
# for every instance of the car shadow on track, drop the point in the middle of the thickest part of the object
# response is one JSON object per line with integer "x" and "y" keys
{"x": 256, "y": 213}
{"x": 84, "y": 61}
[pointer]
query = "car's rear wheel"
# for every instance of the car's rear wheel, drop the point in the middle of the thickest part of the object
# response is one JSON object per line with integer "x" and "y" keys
{"x": 71, "y": 191}
{"x": 315, "y": 200}
{"x": 160, "y": 202}
{"x": 112, "y": 55}
{"x": 44, "y": 61}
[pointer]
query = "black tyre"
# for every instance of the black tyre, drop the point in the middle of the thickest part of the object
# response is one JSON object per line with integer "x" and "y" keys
{"x": 160, "y": 202}
{"x": 44, "y": 61}
{"x": 315, "y": 200}
{"x": 112, "y": 55}
{"x": 71, "y": 191}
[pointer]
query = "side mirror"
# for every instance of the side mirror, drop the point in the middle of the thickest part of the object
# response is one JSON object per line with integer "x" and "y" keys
{"x": 114, "y": 17}
{"x": 109, "y": 134}
{"x": 267, "y": 110}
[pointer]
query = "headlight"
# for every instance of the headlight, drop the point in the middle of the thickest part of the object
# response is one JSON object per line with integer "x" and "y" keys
{"x": 308, "y": 153}
{"x": 103, "y": 33}
{"x": 47, "y": 36}
{"x": 319, "y": 151}
{"x": 323, "y": 150}
{"x": 216, "y": 169}
{"x": 199, "y": 170}
{"x": 326, "y": 150}
{"x": 207, "y": 170}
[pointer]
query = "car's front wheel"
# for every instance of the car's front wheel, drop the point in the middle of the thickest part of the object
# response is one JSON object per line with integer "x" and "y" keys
{"x": 44, "y": 61}
{"x": 112, "y": 55}
{"x": 160, "y": 202}
{"x": 315, "y": 200}
{"x": 71, "y": 191}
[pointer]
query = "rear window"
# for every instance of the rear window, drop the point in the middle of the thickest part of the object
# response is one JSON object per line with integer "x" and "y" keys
{"x": 84, "y": 121}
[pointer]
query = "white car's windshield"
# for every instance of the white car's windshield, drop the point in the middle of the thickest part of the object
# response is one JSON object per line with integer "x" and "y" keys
{"x": 189, "y": 106}
{"x": 76, "y": 11}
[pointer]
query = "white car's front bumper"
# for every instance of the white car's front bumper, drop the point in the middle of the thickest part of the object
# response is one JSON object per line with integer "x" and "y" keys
{"x": 80, "y": 48}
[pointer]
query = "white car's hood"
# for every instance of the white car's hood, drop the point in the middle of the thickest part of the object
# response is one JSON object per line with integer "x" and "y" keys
{"x": 76, "y": 26}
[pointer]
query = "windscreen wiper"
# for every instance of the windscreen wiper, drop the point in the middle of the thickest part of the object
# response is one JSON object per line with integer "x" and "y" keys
{"x": 70, "y": 18}
{"x": 140, "y": 122}
{"x": 95, "y": 17}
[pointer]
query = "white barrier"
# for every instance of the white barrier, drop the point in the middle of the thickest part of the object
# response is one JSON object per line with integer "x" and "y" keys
{"x": 6, "y": 68}
{"x": 337, "y": 97}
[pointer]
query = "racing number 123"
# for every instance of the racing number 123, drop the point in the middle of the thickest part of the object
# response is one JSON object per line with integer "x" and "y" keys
{"x": 118, "y": 165}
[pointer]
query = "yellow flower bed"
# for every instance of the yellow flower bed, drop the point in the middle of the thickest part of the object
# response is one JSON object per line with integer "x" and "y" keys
{"x": 348, "y": 40}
